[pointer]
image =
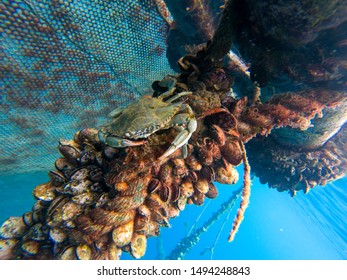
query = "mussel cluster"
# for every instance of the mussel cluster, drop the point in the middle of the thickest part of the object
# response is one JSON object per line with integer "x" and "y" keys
{"x": 102, "y": 201}
{"x": 294, "y": 170}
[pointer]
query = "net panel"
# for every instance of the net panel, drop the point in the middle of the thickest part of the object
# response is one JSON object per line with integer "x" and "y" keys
{"x": 65, "y": 65}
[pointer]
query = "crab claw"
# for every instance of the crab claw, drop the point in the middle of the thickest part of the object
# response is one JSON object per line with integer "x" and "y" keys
{"x": 118, "y": 142}
{"x": 181, "y": 139}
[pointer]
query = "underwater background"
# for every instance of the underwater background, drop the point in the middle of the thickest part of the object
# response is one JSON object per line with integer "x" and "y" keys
{"x": 66, "y": 64}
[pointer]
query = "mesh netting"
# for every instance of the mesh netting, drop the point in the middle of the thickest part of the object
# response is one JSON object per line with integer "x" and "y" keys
{"x": 65, "y": 65}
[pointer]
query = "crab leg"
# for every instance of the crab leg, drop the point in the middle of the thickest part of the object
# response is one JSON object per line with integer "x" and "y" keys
{"x": 184, "y": 135}
{"x": 116, "y": 112}
{"x": 178, "y": 95}
{"x": 118, "y": 142}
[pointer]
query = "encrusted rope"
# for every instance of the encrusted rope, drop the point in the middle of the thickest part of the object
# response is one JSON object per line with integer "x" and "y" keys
{"x": 245, "y": 195}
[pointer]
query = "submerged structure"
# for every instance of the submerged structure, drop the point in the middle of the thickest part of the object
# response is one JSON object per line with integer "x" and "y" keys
{"x": 118, "y": 183}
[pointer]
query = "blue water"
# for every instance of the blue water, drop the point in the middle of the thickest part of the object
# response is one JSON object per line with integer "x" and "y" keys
{"x": 276, "y": 226}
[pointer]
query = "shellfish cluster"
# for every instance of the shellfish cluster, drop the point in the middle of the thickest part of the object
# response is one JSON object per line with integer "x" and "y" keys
{"x": 102, "y": 201}
{"x": 302, "y": 170}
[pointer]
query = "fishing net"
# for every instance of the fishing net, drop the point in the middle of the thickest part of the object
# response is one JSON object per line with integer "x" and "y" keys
{"x": 65, "y": 65}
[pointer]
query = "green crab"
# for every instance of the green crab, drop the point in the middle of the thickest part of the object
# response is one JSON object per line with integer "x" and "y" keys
{"x": 131, "y": 125}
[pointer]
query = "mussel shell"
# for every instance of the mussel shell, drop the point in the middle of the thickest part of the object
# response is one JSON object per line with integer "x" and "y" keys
{"x": 151, "y": 228}
{"x": 64, "y": 166}
{"x": 76, "y": 137}
{"x": 164, "y": 193}
{"x": 123, "y": 234}
{"x": 96, "y": 175}
{"x": 38, "y": 232}
{"x": 13, "y": 227}
{"x": 38, "y": 216}
{"x": 187, "y": 188}
{"x": 44, "y": 253}
{"x": 68, "y": 254}
{"x": 87, "y": 157}
{"x": 89, "y": 135}
{"x": 217, "y": 134}
{"x": 102, "y": 243}
{"x": 44, "y": 192}
{"x": 86, "y": 198}
{"x": 173, "y": 212}
{"x": 30, "y": 247}
{"x": 180, "y": 162}
{"x": 153, "y": 201}
{"x": 165, "y": 174}
{"x": 159, "y": 218}
{"x": 79, "y": 174}
{"x": 114, "y": 253}
{"x": 193, "y": 176}
{"x": 207, "y": 173}
{"x": 6, "y": 248}
{"x": 99, "y": 158}
{"x": 153, "y": 185}
{"x": 83, "y": 252}
{"x": 140, "y": 223}
{"x": 180, "y": 171}
{"x": 77, "y": 187}
{"x": 176, "y": 180}
{"x": 125, "y": 202}
{"x": 110, "y": 217}
{"x": 39, "y": 205}
{"x": 58, "y": 235}
{"x": 70, "y": 150}
{"x": 212, "y": 191}
{"x": 166, "y": 84}
{"x": 198, "y": 198}
{"x": 227, "y": 175}
{"x": 138, "y": 245}
{"x": 193, "y": 163}
{"x": 28, "y": 219}
{"x": 57, "y": 177}
{"x": 202, "y": 186}
{"x": 71, "y": 210}
{"x": 56, "y": 205}
{"x": 205, "y": 155}
{"x": 232, "y": 152}
{"x": 179, "y": 168}
{"x": 175, "y": 193}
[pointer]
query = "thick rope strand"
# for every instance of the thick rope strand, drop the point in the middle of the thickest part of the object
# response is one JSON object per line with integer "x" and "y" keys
{"x": 245, "y": 195}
